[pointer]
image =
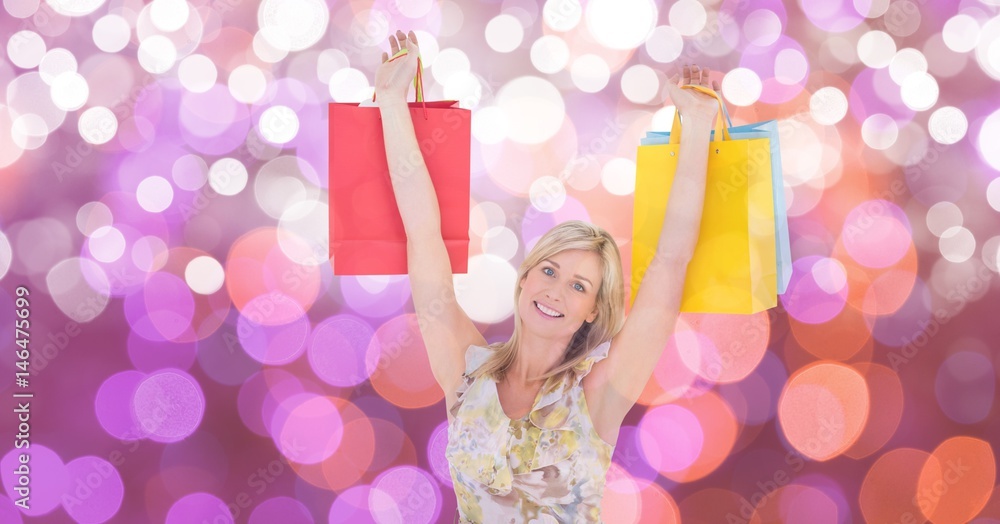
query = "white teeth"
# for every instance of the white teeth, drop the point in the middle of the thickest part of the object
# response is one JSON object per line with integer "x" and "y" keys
{"x": 547, "y": 311}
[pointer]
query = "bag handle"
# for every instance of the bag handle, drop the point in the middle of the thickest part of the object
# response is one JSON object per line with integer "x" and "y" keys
{"x": 675, "y": 128}
{"x": 418, "y": 81}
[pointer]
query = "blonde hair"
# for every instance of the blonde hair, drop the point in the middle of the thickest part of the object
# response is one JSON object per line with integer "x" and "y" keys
{"x": 573, "y": 234}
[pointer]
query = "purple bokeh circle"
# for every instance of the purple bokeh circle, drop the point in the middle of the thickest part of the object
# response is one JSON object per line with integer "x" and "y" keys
{"x": 877, "y": 233}
{"x": 436, "y": 445}
{"x": 272, "y": 408}
{"x": 273, "y": 344}
{"x": 169, "y": 404}
{"x": 834, "y": 16}
{"x": 873, "y": 91}
{"x": 912, "y": 323}
{"x": 763, "y": 60}
{"x": 253, "y": 392}
{"x": 169, "y": 304}
{"x": 112, "y": 405}
{"x": 285, "y": 510}
{"x": 805, "y": 300}
{"x": 965, "y": 387}
{"x": 47, "y": 477}
{"x": 310, "y": 428}
{"x": 9, "y": 513}
{"x": 212, "y": 122}
{"x": 198, "y": 507}
{"x": 405, "y": 493}
{"x": 670, "y": 437}
{"x": 375, "y": 301}
{"x": 337, "y": 350}
{"x": 95, "y": 492}
{"x": 351, "y": 507}
{"x": 628, "y": 455}
{"x": 831, "y": 489}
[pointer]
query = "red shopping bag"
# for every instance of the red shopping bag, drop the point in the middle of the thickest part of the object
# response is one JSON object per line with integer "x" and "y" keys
{"x": 366, "y": 231}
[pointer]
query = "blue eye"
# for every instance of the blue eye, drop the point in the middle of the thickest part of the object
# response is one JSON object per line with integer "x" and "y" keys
{"x": 581, "y": 288}
{"x": 544, "y": 269}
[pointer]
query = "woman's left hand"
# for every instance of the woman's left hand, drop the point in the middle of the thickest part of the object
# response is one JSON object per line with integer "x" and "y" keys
{"x": 690, "y": 103}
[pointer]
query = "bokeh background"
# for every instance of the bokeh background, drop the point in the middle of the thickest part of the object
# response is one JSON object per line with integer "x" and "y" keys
{"x": 163, "y": 174}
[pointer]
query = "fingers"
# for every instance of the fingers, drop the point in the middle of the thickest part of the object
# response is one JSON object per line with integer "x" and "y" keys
{"x": 400, "y": 41}
{"x": 692, "y": 74}
{"x": 385, "y": 56}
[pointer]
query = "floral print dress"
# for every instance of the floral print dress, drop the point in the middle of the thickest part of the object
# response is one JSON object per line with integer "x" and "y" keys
{"x": 548, "y": 467}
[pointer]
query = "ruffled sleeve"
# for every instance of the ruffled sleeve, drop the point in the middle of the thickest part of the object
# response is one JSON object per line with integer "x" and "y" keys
{"x": 582, "y": 368}
{"x": 475, "y": 356}
{"x": 557, "y": 403}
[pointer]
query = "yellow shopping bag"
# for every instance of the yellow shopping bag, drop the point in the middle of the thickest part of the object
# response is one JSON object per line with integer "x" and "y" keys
{"x": 733, "y": 269}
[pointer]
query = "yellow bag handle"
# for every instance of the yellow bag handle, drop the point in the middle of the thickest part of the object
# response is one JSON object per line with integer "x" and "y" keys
{"x": 418, "y": 81}
{"x": 675, "y": 128}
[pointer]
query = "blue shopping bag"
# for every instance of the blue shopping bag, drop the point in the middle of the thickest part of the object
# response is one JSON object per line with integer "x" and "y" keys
{"x": 768, "y": 129}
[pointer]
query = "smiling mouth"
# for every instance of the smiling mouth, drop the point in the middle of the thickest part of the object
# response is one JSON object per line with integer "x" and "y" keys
{"x": 549, "y": 312}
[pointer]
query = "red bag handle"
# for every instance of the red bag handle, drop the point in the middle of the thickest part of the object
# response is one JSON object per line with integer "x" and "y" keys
{"x": 418, "y": 81}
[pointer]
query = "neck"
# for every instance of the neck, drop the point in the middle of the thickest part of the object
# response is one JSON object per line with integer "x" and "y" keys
{"x": 535, "y": 357}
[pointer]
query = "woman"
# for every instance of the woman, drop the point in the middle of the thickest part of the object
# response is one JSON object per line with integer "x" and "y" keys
{"x": 533, "y": 421}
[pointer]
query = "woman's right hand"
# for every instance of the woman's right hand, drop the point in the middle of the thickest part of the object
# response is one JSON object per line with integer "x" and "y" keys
{"x": 692, "y": 104}
{"x": 393, "y": 77}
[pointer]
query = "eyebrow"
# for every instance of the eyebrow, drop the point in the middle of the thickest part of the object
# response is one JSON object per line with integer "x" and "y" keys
{"x": 577, "y": 276}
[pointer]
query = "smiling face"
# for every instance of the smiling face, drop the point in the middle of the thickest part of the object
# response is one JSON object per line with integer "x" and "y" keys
{"x": 560, "y": 292}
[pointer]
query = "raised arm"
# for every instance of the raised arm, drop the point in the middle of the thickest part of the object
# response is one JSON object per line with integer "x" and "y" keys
{"x": 446, "y": 330}
{"x": 619, "y": 380}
